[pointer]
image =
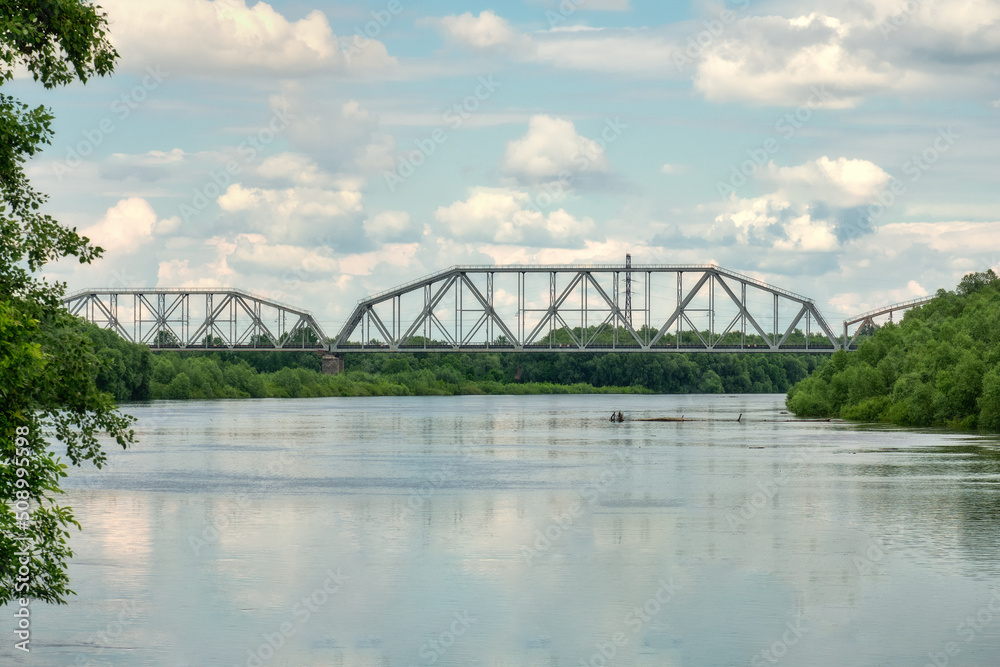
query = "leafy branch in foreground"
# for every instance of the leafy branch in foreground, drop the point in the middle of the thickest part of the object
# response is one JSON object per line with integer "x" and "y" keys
{"x": 47, "y": 363}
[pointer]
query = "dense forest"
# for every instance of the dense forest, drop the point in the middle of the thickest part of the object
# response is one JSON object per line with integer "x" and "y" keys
{"x": 132, "y": 373}
{"x": 940, "y": 366}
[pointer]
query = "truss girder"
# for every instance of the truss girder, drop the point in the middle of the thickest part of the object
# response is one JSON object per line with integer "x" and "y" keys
{"x": 867, "y": 322}
{"x": 451, "y": 310}
{"x": 199, "y": 319}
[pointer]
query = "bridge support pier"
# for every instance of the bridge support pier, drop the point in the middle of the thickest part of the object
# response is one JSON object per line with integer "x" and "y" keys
{"x": 332, "y": 364}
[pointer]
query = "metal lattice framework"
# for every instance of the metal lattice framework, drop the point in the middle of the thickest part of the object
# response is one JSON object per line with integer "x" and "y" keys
{"x": 581, "y": 308}
{"x": 179, "y": 319}
{"x": 866, "y": 322}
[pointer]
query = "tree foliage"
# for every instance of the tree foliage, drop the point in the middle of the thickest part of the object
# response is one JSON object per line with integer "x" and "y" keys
{"x": 203, "y": 375}
{"x": 938, "y": 367}
{"x": 48, "y": 361}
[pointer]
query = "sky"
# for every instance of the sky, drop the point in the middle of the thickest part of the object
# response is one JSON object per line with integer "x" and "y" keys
{"x": 317, "y": 152}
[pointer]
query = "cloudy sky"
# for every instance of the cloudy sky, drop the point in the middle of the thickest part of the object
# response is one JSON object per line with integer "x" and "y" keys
{"x": 316, "y": 152}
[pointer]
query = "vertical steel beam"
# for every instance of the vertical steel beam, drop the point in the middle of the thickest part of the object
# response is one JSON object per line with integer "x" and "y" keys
{"x": 680, "y": 301}
{"x": 647, "y": 305}
{"x": 774, "y": 333}
{"x": 711, "y": 310}
{"x": 520, "y": 307}
{"x": 743, "y": 314}
{"x": 614, "y": 319}
{"x": 808, "y": 327}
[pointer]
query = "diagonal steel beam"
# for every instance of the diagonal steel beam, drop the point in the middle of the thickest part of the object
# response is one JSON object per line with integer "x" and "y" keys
{"x": 483, "y": 318}
{"x": 113, "y": 320}
{"x": 428, "y": 309}
{"x": 490, "y": 310}
{"x": 616, "y": 312}
{"x": 443, "y": 329}
{"x": 569, "y": 330}
{"x": 728, "y": 329}
{"x": 695, "y": 330}
{"x": 680, "y": 308}
{"x": 867, "y": 322}
{"x": 746, "y": 313}
{"x": 208, "y": 326}
{"x": 600, "y": 328}
{"x": 380, "y": 325}
{"x": 553, "y": 308}
{"x": 818, "y": 316}
{"x": 257, "y": 324}
{"x": 791, "y": 327}
{"x": 78, "y": 304}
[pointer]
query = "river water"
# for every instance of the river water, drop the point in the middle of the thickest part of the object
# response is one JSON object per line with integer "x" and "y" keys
{"x": 528, "y": 531}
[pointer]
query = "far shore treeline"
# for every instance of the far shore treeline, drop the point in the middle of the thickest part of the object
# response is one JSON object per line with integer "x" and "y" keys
{"x": 132, "y": 372}
{"x": 940, "y": 366}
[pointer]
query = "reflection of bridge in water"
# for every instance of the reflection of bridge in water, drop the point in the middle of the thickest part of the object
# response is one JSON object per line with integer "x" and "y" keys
{"x": 694, "y": 308}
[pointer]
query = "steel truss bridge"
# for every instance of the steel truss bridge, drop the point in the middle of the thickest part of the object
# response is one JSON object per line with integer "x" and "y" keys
{"x": 198, "y": 319}
{"x": 574, "y": 308}
{"x": 583, "y": 309}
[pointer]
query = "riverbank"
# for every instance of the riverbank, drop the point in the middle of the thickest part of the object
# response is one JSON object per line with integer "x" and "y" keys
{"x": 940, "y": 366}
{"x": 133, "y": 373}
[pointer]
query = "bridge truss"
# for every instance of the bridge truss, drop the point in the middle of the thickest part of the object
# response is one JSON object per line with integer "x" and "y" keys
{"x": 198, "y": 319}
{"x": 867, "y": 323}
{"x": 696, "y": 308}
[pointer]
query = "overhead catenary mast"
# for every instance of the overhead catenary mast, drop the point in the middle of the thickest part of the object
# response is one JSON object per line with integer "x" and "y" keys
{"x": 628, "y": 289}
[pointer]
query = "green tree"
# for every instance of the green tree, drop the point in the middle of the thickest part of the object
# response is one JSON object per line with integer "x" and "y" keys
{"x": 935, "y": 368}
{"x": 973, "y": 282}
{"x": 47, "y": 362}
{"x": 989, "y": 402}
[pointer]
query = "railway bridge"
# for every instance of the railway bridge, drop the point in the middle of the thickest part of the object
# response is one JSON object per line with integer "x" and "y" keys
{"x": 557, "y": 308}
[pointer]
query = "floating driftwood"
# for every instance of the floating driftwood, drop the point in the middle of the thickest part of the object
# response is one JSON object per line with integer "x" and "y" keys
{"x": 682, "y": 418}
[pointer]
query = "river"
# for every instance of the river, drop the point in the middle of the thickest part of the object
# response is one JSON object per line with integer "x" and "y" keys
{"x": 528, "y": 530}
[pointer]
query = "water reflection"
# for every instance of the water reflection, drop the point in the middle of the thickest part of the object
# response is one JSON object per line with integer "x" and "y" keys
{"x": 527, "y": 531}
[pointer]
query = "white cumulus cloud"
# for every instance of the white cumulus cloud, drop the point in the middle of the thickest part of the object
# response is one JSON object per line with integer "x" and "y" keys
{"x": 774, "y": 60}
{"x": 127, "y": 225}
{"x": 502, "y": 215}
{"x": 484, "y": 32}
{"x": 818, "y": 206}
{"x": 297, "y": 214}
{"x": 552, "y": 150}
{"x": 842, "y": 182}
{"x": 210, "y": 37}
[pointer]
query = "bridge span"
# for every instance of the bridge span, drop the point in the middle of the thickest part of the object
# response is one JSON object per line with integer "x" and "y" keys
{"x": 198, "y": 319}
{"x": 564, "y": 308}
{"x": 597, "y": 308}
